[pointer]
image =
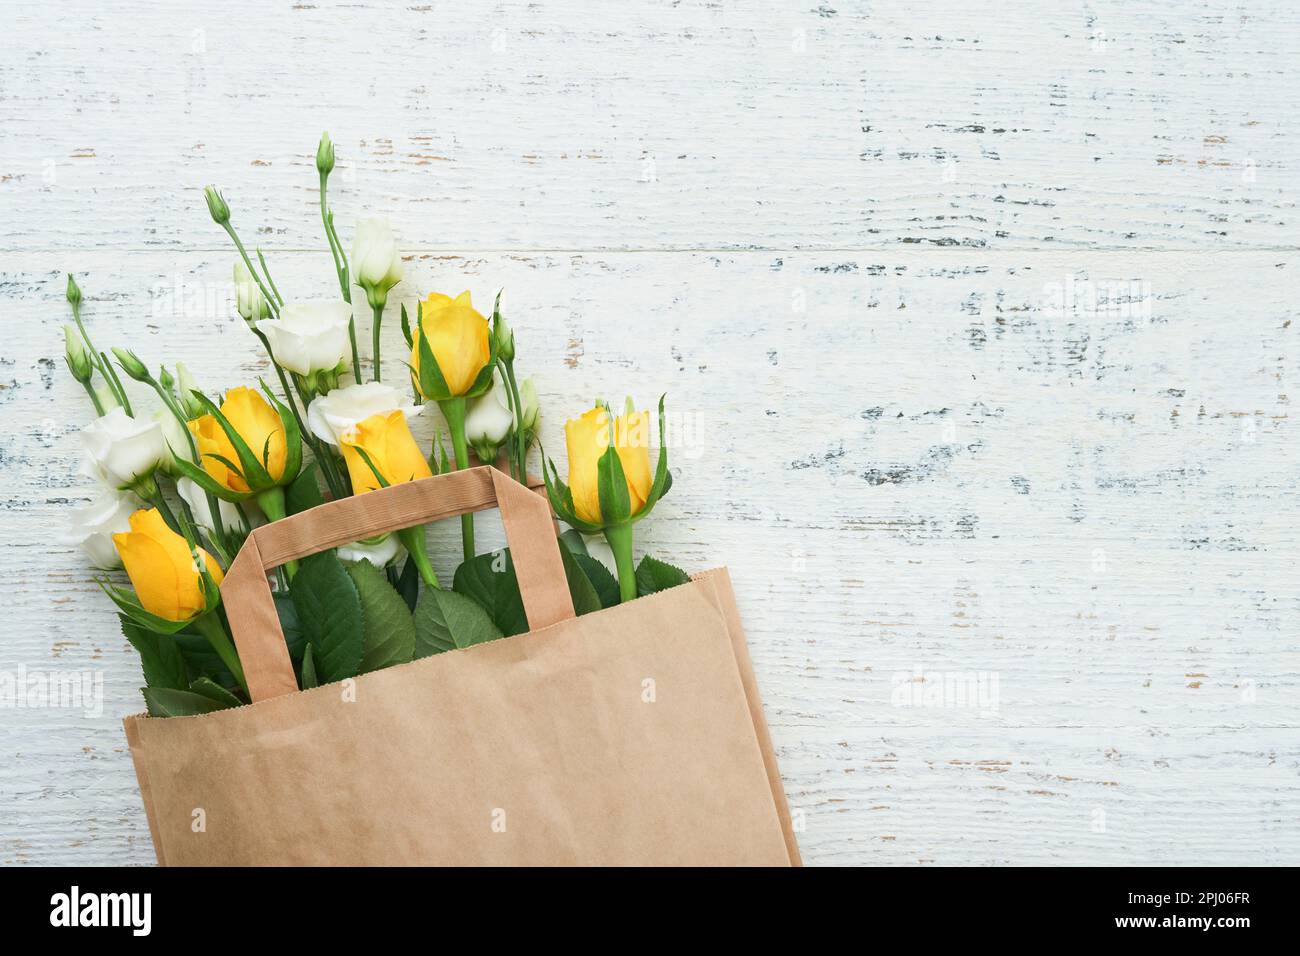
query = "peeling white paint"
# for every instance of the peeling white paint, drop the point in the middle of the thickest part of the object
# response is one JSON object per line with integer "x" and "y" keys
{"x": 840, "y": 239}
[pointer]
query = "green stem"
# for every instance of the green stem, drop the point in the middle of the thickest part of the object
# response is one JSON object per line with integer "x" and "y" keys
{"x": 521, "y": 449}
{"x": 374, "y": 336}
{"x": 96, "y": 357}
{"x": 243, "y": 254}
{"x": 210, "y": 627}
{"x": 116, "y": 384}
{"x": 271, "y": 282}
{"x": 90, "y": 390}
{"x": 271, "y": 502}
{"x": 453, "y": 409}
{"x": 413, "y": 540}
{"x": 341, "y": 269}
{"x": 620, "y": 542}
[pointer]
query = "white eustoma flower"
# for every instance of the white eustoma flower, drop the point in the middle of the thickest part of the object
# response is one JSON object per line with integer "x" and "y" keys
{"x": 310, "y": 336}
{"x": 376, "y": 263}
{"x": 489, "y": 420}
{"x": 378, "y": 551}
{"x": 337, "y": 412}
{"x": 91, "y": 527}
{"x": 197, "y": 499}
{"x": 248, "y": 297}
{"x": 122, "y": 449}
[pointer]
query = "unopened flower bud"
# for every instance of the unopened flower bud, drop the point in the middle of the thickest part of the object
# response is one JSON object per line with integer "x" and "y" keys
{"x": 216, "y": 205}
{"x": 77, "y": 356}
{"x": 74, "y": 291}
{"x": 505, "y": 338}
{"x": 325, "y": 155}
{"x": 192, "y": 406}
{"x": 248, "y": 297}
{"x": 131, "y": 364}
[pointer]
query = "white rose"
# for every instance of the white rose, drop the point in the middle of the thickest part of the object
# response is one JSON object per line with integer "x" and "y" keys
{"x": 378, "y": 551}
{"x": 488, "y": 421}
{"x": 178, "y": 444}
{"x": 91, "y": 527}
{"x": 197, "y": 499}
{"x": 335, "y": 413}
{"x": 376, "y": 263}
{"x": 310, "y": 336}
{"x": 122, "y": 449}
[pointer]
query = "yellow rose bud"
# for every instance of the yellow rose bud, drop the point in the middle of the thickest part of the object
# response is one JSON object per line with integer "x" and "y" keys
{"x": 387, "y": 441}
{"x": 256, "y": 422}
{"x": 458, "y": 337}
{"x": 587, "y": 438}
{"x": 161, "y": 567}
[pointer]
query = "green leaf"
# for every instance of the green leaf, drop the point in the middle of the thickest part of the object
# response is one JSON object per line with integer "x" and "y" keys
{"x": 165, "y": 702}
{"x": 309, "y": 679}
{"x": 160, "y": 658}
{"x": 408, "y": 584}
{"x": 445, "y": 620}
{"x": 210, "y": 689}
{"x": 654, "y": 575}
{"x": 329, "y": 612}
{"x": 289, "y": 625}
{"x": 601, "y": 579}
{"x": 304, "y": 493}
{"x": 574, "y": 541}
{"x": 389, "y": 630}
{"x": 201, "y": 660}
{"x": 581, "y": 591}
{"x": 490, "y": 580}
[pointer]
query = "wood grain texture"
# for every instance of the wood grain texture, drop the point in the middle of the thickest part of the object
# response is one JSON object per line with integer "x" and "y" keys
{"x": 977, "y": 328}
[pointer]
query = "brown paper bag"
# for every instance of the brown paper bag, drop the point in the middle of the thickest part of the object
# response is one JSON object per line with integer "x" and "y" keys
{"x": 629, "y": 736}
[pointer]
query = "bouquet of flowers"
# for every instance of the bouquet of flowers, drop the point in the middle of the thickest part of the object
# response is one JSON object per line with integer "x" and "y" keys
{"x": 184, "y": 484}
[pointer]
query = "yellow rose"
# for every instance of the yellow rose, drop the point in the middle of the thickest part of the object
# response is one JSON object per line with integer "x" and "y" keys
{"x": 587, "y": 438}
{"x": 387, "y": 441}
{"x": 161, "y": 567}
{"x": 458, "y": 337}
{"x": 256, "y": 422}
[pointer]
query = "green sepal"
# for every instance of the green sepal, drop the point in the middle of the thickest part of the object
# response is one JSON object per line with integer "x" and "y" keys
{"x": 611, "y": 484}
{"x": 292, "y": 437}
{"x": 562, "y": 500}
{"x": 406, "y": 327}
{"x": 431, "y": 383}
{"x": 205, "y": 481}
{"x": 483, "y": 381}
{"x": 130, "y": 605}
{"x": 663, "y": 478}
{"x": 252, "y": 471}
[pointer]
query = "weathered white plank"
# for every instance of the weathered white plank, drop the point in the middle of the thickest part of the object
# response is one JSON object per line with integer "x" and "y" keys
{"x": 655, "y": 124}
{"x": 1072, "y": 472}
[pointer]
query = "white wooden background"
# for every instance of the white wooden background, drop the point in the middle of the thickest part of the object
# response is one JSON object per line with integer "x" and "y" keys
{"x": 835, "y": 233}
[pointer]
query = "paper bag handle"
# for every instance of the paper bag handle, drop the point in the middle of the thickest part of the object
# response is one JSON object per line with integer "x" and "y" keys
{"x": 246, "y": 594}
